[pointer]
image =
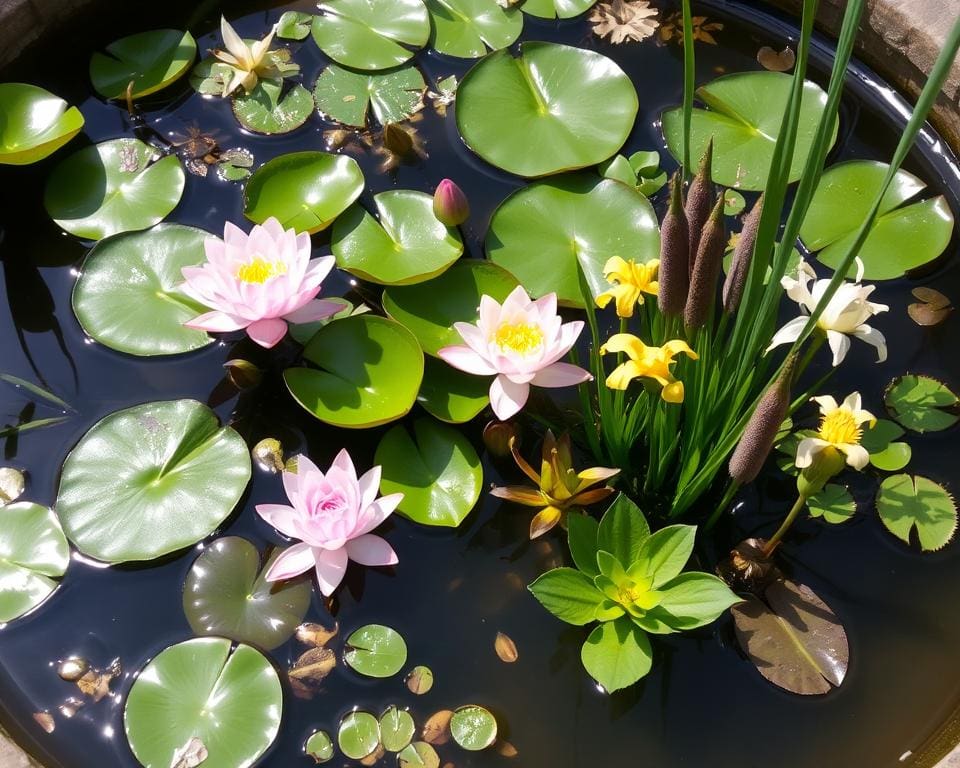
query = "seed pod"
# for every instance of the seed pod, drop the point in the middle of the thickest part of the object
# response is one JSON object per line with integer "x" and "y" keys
{"x": 450, "y": 204}
{"x": 706, "y": 272}
{"x": 700, "y": 199}
{"x": 742, "y": 256}
{"x": 674, "y": 271}
{"x": 757, "y": 440}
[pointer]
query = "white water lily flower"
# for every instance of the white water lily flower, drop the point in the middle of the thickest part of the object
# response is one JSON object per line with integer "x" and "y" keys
{"x": 844, "y": 316}
{"x": 840, "y": 430}
{"x": 248, "y": 62}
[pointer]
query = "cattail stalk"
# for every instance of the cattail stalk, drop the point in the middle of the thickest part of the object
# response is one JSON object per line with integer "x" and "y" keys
{"x": 700, "y": 199}
{"x": 742, "y": 257}
{"x": 673, "y": 275}
{"x": 706, "y": 270}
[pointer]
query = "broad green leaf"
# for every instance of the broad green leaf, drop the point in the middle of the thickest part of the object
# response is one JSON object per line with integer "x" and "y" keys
{"x": 420, "y": 754}
{"x": 430, "y": 309}
{"x": 893, "y": 458}
{"x": 878, "y": 437}
{"x": 906, "y": 502}
{"x": 920, "y": 402}
{"x": 582, "y": 534}
{"x": 268, "y": 110}
{"x": 128, "y": 295}
{"x": 34, "y": 123}
{"x": 304, "y": 190}
{"x": 553, "y": 9}
{"x": 469, "y": 28}
{"x": 230, "y": 701}
{"x": 622, "y": 531}
{"x": 226, "y": 594}
{"x": 210, "y": 77}
{"x": 436, "y": 469}
{"x": 695, "y": 599}
{"x": 834, "y": 504}
{"x": 397, "y": 729}
{"x": 473, "y": 728}
{"x": 904, "y": 237}
{"x": 369, "y": 371}
{"x": 743, "y": 116}
{"x": 371, "y": 34}
{"x": 150, "y": 60}
{"x": 451, "y": 395}
{"x": 531, "y": 115}
{"x": 117, "y": 186}
{"x": 319, "y": 746}
{"x": 541, "y": 231}
{"x": 612, "y": 571}
{"x": 294, "y": 25}
{"x": 358, "y": 735}
{"x": 667, "y": 551}
{"x": 404, "y": 244}
{"x": 150, "y": 480}
{"x": 569, "y": 595}
{"x": 33, "y": 555}
{"x": 348, "y": 97}
{"x": 617, "y": 654}
{"x": 376, "y": 651}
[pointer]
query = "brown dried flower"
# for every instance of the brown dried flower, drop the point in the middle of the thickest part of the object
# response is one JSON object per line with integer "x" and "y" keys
{"x": 623, "y": 20}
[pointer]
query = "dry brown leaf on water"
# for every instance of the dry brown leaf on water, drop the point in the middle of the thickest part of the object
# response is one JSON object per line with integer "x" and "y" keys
{"x": 506, "y": 649}
{"x": 777, "y": 61}
{"x": 437, "y": 728}
{"x": 703, "y": 29}
{"x": 374, "y": 757}
{"x": 96, "y": 683}
{"x": 506, "y": 749}
{"x": 45, "y": 721}
{"x": 316, "y": 635}
{"x": 310, "y": 670}
{"x": 190, "y": 755}
{"x": 931, "y": 307}
{"x": 420, "y": 680}
{"x": 623, "y": 20}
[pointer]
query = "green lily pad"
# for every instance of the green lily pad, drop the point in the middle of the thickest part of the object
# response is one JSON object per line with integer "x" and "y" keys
{"x": 906, "y": 502}
{"x": 420, "y": 754}
{"x": 541, "y": 231}
{"x": 210, "y": 76}
{"x": 150, "y": 480}
{"x": 304, "y": 190}
{"x": 319, "y": 746}
{"x": 396, "y": 729}
{"x": 371, "y": 34}
{"x": 437, "y": 470}
{"x": 557, "y": 9}
{"x": 294, "y": 25}
{"x": 833, "y": 504}
{"x": 885, "y": 454}
{"x": 370, "y": 372}
{"x": 743, "y": 116}
{"x": 348, "y": 97}
{"x": 128, "y": 296}
{"x": 469, "y": 28}
{"x": 531, "y": 115}
{"x": 451, "y": 395}
{"x": 117, "y": 186}
{"x": 150, "y": 60}
{"x": 33, "y": 123}
{"x": 230, "y": 701}
{"x": 226, "y": 594}
{"x": 267, "y": 110}
{"x": 404, "y": 244}
{"x": 33, "y": 555}
{"x": 359, "y": 735}
{"x": 920, "y": 403}
{"x": 376, "y": 651}
{"x": 904, "y": 237}
{"x": 473, "y": 728}
{"x": 430, "y": 309}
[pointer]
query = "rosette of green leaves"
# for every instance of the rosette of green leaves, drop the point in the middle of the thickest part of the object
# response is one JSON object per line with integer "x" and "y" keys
{"x": 630, "y": 581}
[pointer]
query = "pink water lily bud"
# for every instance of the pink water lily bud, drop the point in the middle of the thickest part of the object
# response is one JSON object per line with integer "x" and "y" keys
{"x": 450, "y": 204}
{"x": 331, "y": 515}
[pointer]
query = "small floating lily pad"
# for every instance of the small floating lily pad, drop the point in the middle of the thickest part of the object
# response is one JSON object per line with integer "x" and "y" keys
{"x": 117, "y": 186}
{"x": 833, "y": 504}
{"x": 294, "y": 25}
{"x": 268, "y": 110}
{"x": 420, "y": 754}
{"x": 34, "y": 123}
{"x": 371, "y": 34}
{"x": 420, "y": 680}
{"x": 885, "y": 453}
{"x": 906, "y": 502}
{"x": 150, "y": 480}
{"x": 304, "y": 190}
{"x": 376, "y": 651}
{"x": 469, "y": 28}
{"x": 473, "y": 728}
{"x": 348, "y": 97}
{"x": 531, "y": 115}
{"x": 150, "y": 60}
{"x": 319, "y": 746}
{"x": 451, "y": 395}
{"x": 128, "y": 295}
{"x": 33, "y": 555}
{"x": 396, "y": 729}
{"x": 358, "y": 735}
{"x": 921, "y": 403}
{"x": 230, "y": 701}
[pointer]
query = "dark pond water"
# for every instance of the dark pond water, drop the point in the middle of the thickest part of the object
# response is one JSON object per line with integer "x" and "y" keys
{"x": 703, "y": 704}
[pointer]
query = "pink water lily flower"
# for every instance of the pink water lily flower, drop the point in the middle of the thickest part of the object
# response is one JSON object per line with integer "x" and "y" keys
{"x": 331, "y": 515}
{"x": 259, "y": 282}
{"x": 520, "y": 342}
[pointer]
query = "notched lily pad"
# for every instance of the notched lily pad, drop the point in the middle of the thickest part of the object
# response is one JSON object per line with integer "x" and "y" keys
{"x": 930, "y": 308}
{"x": 371, "y": 34}
{"x": 267, "y": 109}
{"x": 906, "y": 502}
{"x": 34, "y": 123}
{"x": 420, "y": 754}
{"x": 349, "y": 97}
{"x": 921, "y": 403}
{"x": 376, "y": 651}
{"x": 149, "y": 60}
{"x": 469, "y": 28}
{"x": 473, "y": 728}
{"x": 33, "y": 556}
{"x": 294, "y": 25}
{"x": 420, "y": 680}
{"x": 833, "y": 504}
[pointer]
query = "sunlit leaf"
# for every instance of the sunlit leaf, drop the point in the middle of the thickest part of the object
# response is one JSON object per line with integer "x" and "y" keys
{"x": 552, "y": 9}
{"x": 921, "y": 403}
{"x": 906, "y": 502}
{"x": 469, "y": 28}
{"x": 834, "y": 504}
{"x": 150, "y": 60}
{"x": 267, "y": 109}
{"x": 33, "y": 123}
{"x": 33, "y": 556}
{"x": 349, "y": 97}
{"x": 451, "y": 395}
{"x": 776, "y": 61}
{"x": 294, "y": 25}
{"x": 396, "y": 729}
{"x": 376, "y": 651}
{"x": 473, "y": 727}
{"x": 420, "y": 680}
{"x": 319, "y": 746}
{"x": 358, "y": 735}
{"x": 418, "y": 755}
{"x": 622, "y": 531}
{"x": 617, "y": 654}
{"x": 12, "y": 484}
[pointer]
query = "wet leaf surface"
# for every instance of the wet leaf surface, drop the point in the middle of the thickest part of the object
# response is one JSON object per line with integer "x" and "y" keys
{"x": 396, "y": 729}
{"x": 34, "y": 123}
{"x": 420, "y": 680}
{"x": 320, "y": 747}
{"x": 350, "y": 97}
{"x": 376, "y": 651}
{"x": 33, "y": 556}
{"x": 12, "y": 484}
{"x": 436, "y": 730}
{"x": 420, "y": 754}
{"x": 776, "y": 61}
{"x": 473, "y": 728}
{"x": 921, "y": 403}
{"x": 906, "y": 502}
{"x": 358, "y": 735}
{"x": 149, "y": 60}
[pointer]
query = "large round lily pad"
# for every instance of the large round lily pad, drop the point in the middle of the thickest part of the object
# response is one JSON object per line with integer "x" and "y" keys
{"x": 226, "y": 594}
{"x": 469, "y": 28}
{"x": 304, "y": 190}
{"x": 128, "y": 296}
{"x": 117, "y": 186}
{"x": 267, "y": 109}
{"x": 552, "y": 108}
{"x": 33, "y": 555}
{"x": 541, "y": 231}
{"x": 33, "y": 123}
{"x": 150, "y": 60}
{"x": 452, "y": 395}
{"x": 348, "y": 97}
{"x": 404, "y": 244}
{"x": 150, "y": 480}
{"x": 557, "y": 9}
{"x": 743, "y": 116}
{"x": 370, "y": 369}
{"x": 231, "y": 702}
{"x": 371, "y": 34}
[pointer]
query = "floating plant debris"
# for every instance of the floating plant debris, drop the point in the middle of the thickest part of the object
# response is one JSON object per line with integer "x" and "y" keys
{"x": 703, "y": 29}
{"x": 419, "y": 754}
{"x": 316, "y": 635}
{"x": 777, "y": 61}
{"x": 436, "y": 730}
{"x": 931, "y": 307}
{"x": 624, "y": 20}
{"x": 73, "y": 669}
{"x": 310, "y": 670}
{"x": 95, "y": 683}
{"x": 420, "y": 680}
{"x": 268, "y": 455}
{"x": 45, "y": 721}
{"x": 505, "y": 647}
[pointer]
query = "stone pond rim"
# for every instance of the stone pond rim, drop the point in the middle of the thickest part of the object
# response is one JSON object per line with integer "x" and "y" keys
{"x": 900, "y": 39}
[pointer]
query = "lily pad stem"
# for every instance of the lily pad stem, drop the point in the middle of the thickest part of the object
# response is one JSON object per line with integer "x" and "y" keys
{"x": 774, "y": 540}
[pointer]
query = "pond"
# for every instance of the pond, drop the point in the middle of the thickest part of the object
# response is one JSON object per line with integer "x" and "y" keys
{"x": 453, "y": 590}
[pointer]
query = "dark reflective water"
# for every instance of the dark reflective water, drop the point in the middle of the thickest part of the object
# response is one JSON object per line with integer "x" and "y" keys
{"x": 703, "y": 705}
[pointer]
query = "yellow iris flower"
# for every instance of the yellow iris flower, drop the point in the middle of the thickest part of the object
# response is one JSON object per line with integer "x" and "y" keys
{"x": 630, "y": 281}
{"x": 648, "y": 363}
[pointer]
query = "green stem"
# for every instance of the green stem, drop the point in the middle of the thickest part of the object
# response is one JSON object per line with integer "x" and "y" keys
{"x": 732, "y": 487}
{"x": 791, "y": 517}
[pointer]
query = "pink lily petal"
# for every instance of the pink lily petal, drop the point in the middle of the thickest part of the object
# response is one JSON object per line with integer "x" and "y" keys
{"x": 507, "y": 398}
{"x": 318, "y": 309}
{"x": 267, "y": 333}
{"x": 369, "y": 485}
{"x": 331, "y": 566}
{"x": 465, "y": 359}
{"x": 561, "y": 375}
{"x": 292, "y": 562}
{"x": 377, "y": 512}
{"x": 342, "y": 461}
{"x": 281, "y": 517}
{"x": 371, "y": 550}
{"x": 216, "y": 322}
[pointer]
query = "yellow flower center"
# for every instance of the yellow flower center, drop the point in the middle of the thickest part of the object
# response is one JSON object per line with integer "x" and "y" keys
{"x": 840, "y": 427}
{"x": 522, "y": 338}
{"x": 260, "y": 270}
{"x": 637, "y": 594}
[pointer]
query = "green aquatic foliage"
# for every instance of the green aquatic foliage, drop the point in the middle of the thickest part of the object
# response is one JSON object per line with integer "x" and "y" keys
{"x": 375, "y": 651}
{"x": 371, "y": 34}
{"x": 469, "y": 28}
{"x": 834, "y": 504}
{"x": 641, "y": 170}
{"x": 905, "y": 502}
{"x": 33, "y": 556}
{"x": 34, "y": 123}
{"x": 397, "y": 729}
{"x": 451, "y": 395}
{"x": 473, "y": 728}
{"x": 557, "y": 9}
{"x": 887, "y": 453}
{"x": 150, "y": 61}
{"x": 319, "y": 746}
{"x": 269, "y": 109}
{"x": 358, "y": 735}
{"x": 294, "y": 25}
{"x": 350, "y": 97}
{"x": 921, "y": 403}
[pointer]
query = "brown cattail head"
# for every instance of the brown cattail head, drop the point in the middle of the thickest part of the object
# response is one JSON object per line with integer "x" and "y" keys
{"x": 700, "y": 202}
{"x": 742, "y": 256}
{"x": 757, "y": 440}
{"x": 673, "y": 276}
{"x": 706, "y": 270}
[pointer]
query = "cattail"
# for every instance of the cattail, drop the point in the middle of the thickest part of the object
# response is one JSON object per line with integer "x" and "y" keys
{"x": 742, "y": 256}
{"x": 757, "y": 440}
{"x": 673, "y": 276}
{"x": 706, "y": 270}
{"x": 700, "y": 202}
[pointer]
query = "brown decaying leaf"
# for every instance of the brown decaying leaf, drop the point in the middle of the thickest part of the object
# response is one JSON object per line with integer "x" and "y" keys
{"x": 703, "y": 29}
{"x": 95, "y": 683}
{"x": 190, "y": 755}
{"x": 623, "y": 20}
{"x": 746, "y": 569}
{"x": 420, "y": 680}
{"x": 310, "y": 670}
{"x": 73, "y": 669}
{"x": 71, "y": 706}
{"x": 777, "y": 61}
{"x": 506, "y": 749}
{"x": 436, "y": 730}
{"x": 399, "y": 144}
{"x": 506, "y": 649}
{"x": 316, "y": 635}
{"x": 374, "y": 757}
{"x": 45, "y": 720}
{"x": 931, "y": 307}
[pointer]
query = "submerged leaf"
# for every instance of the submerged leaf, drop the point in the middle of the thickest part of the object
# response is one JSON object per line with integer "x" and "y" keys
{"x": 931, "y": 307}
{"x": 777, "y": 61}
{"x": 906, "y": 502}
